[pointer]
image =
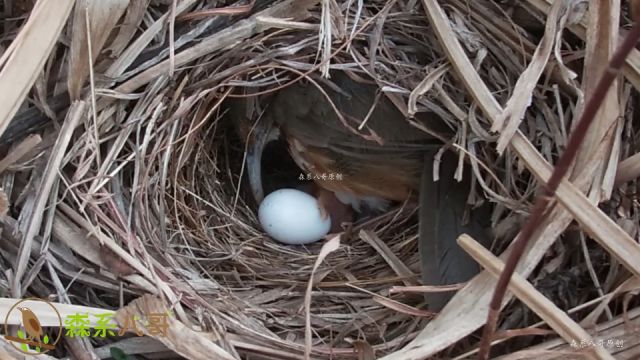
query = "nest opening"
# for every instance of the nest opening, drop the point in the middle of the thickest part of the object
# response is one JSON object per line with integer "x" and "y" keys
{"x": 222, "y": 242}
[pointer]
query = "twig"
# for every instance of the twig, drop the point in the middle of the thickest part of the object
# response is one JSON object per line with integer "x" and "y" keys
{"x": 540, "y": 208}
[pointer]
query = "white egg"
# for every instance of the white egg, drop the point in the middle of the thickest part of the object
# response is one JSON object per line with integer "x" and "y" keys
{"x": 293, "y": 217}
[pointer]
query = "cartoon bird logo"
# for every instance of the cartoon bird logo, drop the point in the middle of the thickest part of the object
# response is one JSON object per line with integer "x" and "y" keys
{"x": 31, "y": 324}
{"x": 33, "y": 337}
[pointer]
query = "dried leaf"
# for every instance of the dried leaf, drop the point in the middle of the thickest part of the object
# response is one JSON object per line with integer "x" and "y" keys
{"x": 102, "y": 17}
{"x": 327, "y": 248}
{"x": 521, "y": 98}
{"x": 20, "y": 150}
{"x": 28, "y": 54}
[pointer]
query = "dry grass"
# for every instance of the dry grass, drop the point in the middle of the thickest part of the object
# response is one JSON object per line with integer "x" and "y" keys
{"x": 132, "y": 197}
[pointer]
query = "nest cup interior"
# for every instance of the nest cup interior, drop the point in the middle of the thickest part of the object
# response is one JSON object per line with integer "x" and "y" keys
{"x": 215, "y": 236}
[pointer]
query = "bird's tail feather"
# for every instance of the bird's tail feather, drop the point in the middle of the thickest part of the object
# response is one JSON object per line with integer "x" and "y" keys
{"x": 442, "y": 208}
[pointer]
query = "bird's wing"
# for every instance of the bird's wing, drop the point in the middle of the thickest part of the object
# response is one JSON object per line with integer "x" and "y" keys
{"x": 35, "y": 326}
{"x": 305, "y": 112}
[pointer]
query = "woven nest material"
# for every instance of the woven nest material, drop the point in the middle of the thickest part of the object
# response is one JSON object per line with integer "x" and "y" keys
{"x": 149, "y": 195}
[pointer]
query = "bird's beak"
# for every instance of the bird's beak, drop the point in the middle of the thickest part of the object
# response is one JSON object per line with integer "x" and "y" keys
{"x": 263, "y": 132}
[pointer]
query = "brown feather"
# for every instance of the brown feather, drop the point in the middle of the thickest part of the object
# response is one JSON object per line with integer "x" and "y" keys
{"x": 35, "y": 326}
{"x": 388, "y": 170}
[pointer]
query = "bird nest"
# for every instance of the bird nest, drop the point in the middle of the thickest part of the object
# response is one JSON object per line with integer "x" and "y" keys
{"x": 135, "y": 193}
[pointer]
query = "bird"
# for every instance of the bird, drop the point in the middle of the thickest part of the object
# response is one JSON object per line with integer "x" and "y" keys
{"x": 31, "y": 324}
{"x": 348, "y": 126}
